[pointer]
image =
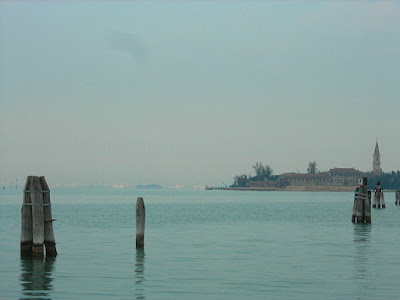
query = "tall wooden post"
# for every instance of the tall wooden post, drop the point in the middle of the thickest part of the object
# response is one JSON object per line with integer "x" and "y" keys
{"x": 362, "y": 203}
{"x": 140, "y": 222}
{"x": 26, "y": 222}
{"x": 49, "y": 239}
{"x": 37, "y": 217}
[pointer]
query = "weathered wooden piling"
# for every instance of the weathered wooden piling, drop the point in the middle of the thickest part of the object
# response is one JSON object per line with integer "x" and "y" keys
{"x": 362, "y": 203}
{"x": 35, "y": 190}
{"x": 379, "y": 197}
{"x": 49, "y": 239}
{"x": 140, "y": 222}
{"x": 367, "y": 208}
{"x": 397, "y": 197}
{"x": 36, "y": 220}
{"x": 26, "y": 222}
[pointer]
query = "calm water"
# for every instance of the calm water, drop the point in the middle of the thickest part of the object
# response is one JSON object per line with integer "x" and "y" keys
{"x": 205, "y": 245}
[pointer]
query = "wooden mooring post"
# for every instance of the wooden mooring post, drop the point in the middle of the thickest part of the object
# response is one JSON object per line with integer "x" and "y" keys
{"x": 397, "y": 197}
{"x": 36, "y": 220}
{"x": 362, "y": 203}
{"x": 26, "y": 222}
{"x": 379, "y": 197}
{"x": 49, "y": 239}
{"x": 140, "y": 222}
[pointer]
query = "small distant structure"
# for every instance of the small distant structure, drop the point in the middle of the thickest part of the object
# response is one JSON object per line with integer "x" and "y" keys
{"x": 362, "y": 203}
{"x": 379, "y": 198}
{"x": 210, "y": 188}
{"x": 149, "y": 186}
{"x": 376, "y": 161}
{"x": 223, "y": 187}
{"x": 397, "y": 197}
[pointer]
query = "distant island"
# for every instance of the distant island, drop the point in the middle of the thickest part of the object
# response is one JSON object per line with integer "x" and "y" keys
{"x": 336, "y": 179}
{"x": 149, "y": 186}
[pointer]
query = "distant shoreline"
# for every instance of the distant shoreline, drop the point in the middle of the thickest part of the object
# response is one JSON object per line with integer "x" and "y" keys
{"x": 294, "y": 189}
{"x": 149, "y": 186}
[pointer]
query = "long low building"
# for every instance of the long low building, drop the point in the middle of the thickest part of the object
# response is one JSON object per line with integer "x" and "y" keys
{"x": 334, "y": 177}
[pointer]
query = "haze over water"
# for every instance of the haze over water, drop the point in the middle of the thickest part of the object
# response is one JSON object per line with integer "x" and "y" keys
{"x": 195, "y": 92}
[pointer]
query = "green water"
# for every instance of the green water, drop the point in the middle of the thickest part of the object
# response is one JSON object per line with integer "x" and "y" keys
{"x": 205, "y": 245}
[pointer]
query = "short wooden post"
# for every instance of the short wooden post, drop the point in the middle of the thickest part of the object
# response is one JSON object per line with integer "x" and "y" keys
{"x": 26, "y": 222}
{"x": 383, "y": 203}
{"x": 49, "y": 239}
{"x": 140, "y": 222}
{"x": 362, "y": 203}
{"x": 374, "y": 203}
{"x": 397, "y": 197}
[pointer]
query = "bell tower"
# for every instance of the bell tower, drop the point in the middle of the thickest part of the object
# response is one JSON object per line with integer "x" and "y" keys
{"x": 376, "y": 161}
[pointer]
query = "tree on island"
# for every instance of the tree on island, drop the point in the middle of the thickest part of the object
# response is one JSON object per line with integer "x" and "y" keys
{"x": 241, "y": 180}
{"x": 312, "y": 168}
{"x": 261, "y": 173}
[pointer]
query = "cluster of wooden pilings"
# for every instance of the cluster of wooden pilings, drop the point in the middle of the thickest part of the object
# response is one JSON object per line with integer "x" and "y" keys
{"x": 379, "y": 197}
{"x": 362, "y": 204}
{"x": 36, "y": 220}
{"x": 362, "y": 201}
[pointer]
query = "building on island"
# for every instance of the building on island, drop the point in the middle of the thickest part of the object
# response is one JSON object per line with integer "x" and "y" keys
{"x": 336, "y": 179}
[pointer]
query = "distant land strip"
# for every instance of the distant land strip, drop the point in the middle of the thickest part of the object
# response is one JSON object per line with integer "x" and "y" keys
{"x": 292, "y": 189}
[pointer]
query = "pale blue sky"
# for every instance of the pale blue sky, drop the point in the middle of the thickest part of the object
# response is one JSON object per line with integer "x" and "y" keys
{"x": 194, "y": 92}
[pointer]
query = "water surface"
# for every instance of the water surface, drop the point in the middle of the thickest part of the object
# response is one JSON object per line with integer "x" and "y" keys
{"x": 205, "y": 245}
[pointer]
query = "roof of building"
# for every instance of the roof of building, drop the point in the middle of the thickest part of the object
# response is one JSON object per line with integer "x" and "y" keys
{"x": 344, "y": 170}
{"x": 306, "y": 175}
{"x": 322, "y": 174}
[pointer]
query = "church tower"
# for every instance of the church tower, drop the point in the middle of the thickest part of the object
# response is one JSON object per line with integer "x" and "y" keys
{"x": 376, "y": 161}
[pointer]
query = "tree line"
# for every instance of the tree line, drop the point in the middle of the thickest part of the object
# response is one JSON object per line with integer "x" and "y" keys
{"x": 261, "y": 173}
{"x": 390, "y": 180}
{"x": 264, "y": 172}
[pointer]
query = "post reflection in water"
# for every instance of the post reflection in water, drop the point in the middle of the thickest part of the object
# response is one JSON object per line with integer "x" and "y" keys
{"x": 139, "y": 273}
{"x": 36, "y": 277}
{"x": 362, "y": 245}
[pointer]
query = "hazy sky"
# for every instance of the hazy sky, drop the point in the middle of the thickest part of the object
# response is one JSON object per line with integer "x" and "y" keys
{"x": 195, "y": 92}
